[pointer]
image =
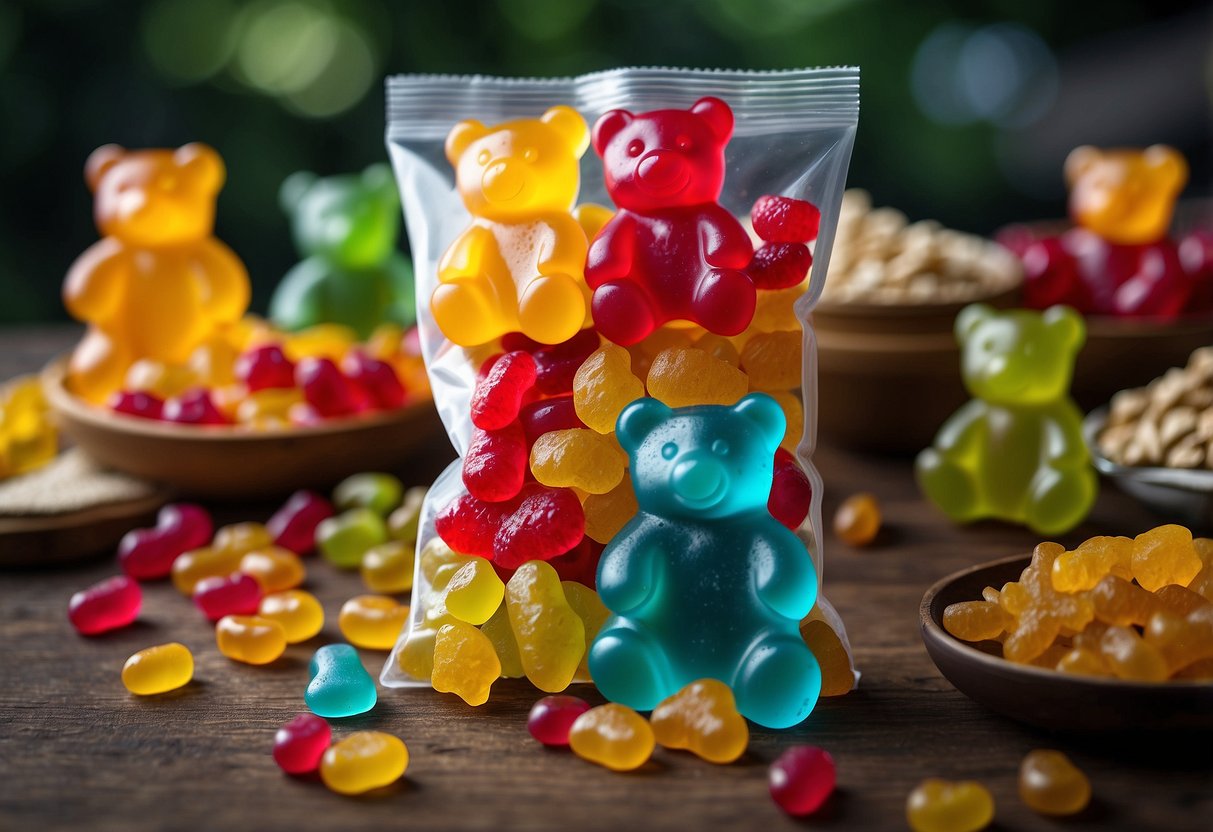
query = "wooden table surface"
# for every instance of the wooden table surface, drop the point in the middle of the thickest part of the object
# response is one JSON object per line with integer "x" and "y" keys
{"x": 77, "y": 751}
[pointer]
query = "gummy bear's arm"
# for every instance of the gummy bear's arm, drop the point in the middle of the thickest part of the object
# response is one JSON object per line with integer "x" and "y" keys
{"x": 723, "y": 240}
{"x": 1063, "y": 442}
{"x": 964, "y": 429}
{"x": 627, "y": 574}
{"x": 784, "y": 576}
{"x": 298, "y": 302}
{"x": 612, "y": 251}
{"x": 225, "y": 281}
{"x": 567, "y": 252}
{"x": 96, "y": 282}
{"x": 466, "y": 256}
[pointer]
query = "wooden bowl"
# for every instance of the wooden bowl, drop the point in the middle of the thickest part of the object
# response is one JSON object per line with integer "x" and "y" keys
{"x": 221, "y": 463}
{"x": 1047, "y": 698}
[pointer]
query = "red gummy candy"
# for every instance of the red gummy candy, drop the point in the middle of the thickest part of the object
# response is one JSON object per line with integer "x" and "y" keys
{"x": 236, "y": 594}
{"x": 552, "y": 717}
{"x": 547, "y": 415}
{"x": 780, "y": 265}
{"x": 791, "y": 492}
{"x": 468, "y": 525}
{"x": 377, "y": 380}
{"x": 193, "y": 407}
{"x": 515, "y": 341}
{"x": 105, "y": 606}
{"x": 1196, "y": 257}
{"x": 556, "y": 365}
{"x": 264, "y": 367}
{"x": 499, "y": 392}
{"x": 294, "y": 525}
{"x": 328, "y": 391}
{"x": 496, "y": 463}
{"x": 580, "y": 563}
{"x": 1158, "y": 286}
{"x": 136, "y": 403}
{"x": 802, "y": 779}
{"x": 547, "y": 522}
{"x": 300, "y": 743}
{"x": 782, "y": 219}
{"x": 1051, "y": 277}
{"x": 145, "y": 554}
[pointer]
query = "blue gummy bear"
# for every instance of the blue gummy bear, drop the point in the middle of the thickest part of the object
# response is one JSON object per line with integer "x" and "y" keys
{"x": 339, "y": 685}
{"x": 703, "y": 582}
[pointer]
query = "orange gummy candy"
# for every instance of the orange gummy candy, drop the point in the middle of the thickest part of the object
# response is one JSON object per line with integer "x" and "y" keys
{"x": 684, "y": 377}
{"x": 976, "y": 620}
{"x": 703, "y": 719}
{"x": 1165, "y": 555}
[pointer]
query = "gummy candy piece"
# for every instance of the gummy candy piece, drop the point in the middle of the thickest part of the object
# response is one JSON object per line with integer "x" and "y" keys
{"x": 720, "y": 347}
{"x": 1083, "y": 662}
{"x": 857, "y": 521}
{"x": 235, "y": 594}
{"x": 976, "y": 620}
{"x": 949, "y": 806}
{"x": 499, "y": 392}
{"x": 328, "y": 392}
{"x": 402, "y": 523}
{"x": 363, "y": 761}
{"x": 613, "y": 736}
{"x": 682, "y": 377}
{"x": 1015, "y": 451}
{"x": 556, "y": 365}
{"x": 552, "y": 717}
{"x": 238, "y": 539}
{"x": 1182, "y": 640}
{"x": 207, "y": 562}
{"x": 671, "y": 252}
{"x": 1179, "y": 600}
{"x": 269, "y": 409}
{"x": 104, "y": 606}
{"x": 1128, "y": 656}
{"x": 265, "y": 367}
{"x": 702, "y": 542}
{"x": 702, "y": 718}
{"x": 338, "y": 685}
{"x": 300, "y": 743}
{"x": 145, "y": 554}
{"x": 546, "y": 522}
{"x": 1052, "y": 785}
{"x": 497, "y": 630}
{"x": 158, "y": 669}
{"x": 782, "y": 219}
{"x": 1125, "y": 196}
{"x": 344, "y": 539}
{"x": 780, "y": 265}
{"x": 250, "y": 639}
{"x": 416, "y": 657}
{"x": 793, "y": 413}
{"x": 195, "y": 407}
{"x": 474, "y": 592}
{"x": 136, "y": 403}
{"x": 603, "y": 386}
{"x": 550, "y": 635}
{"x": 578, "y": 458}
{"x": 606, "y": 514}
{"x": 579, "y": 564}
{"x": 465, "y": 663}
{"x": 298, "y": 611}
{"x": 388, "y": 567}
{"x": 772, "y": 360}
{"x": 1121, "y": 603}
{"x": 1040, "y": 611}
{"x": 546, "y": 415}
{"x": 791, "y": 492}
{"x": 379, "y": 492}
{"x": 495, "y": 464}
{"x": 328, "y": 341}
{"x": 373, "y": 622}
{"x": 28, "y": 438}
{"x": 274, "y": 568}
{"x": 158, "y": 283}
{"x": 584, "y": 601}
{"x": 1088, "y": 564}
{"x": 1165, "y": 555}
{"x": 802, "y": 779}
{"x": 669, "y": 337}
{"x": 376, "y": 379}
{"x": 776, "y": 310}
{"x": 519, "y": 265}
{"x": 837, "y": 671}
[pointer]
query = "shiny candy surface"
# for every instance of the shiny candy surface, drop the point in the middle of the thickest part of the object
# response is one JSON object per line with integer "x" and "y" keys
{"x": 474, "y": 592}
{"x": 235, "y": 594}
{"x": 857, "y": 521}
{"x": 250, "y": 639}
{"x": 802, "y": 779}
{"x": 294, "y": 525}
{"x": 550, "y": 635}
{"x": 465, "y": 663}
{"x": 702, "y": 718}
{"x": 685, "y": 377}
{"x": 106, "y": 605}
{"x": 298, "y": 611}
{"x": 1052, "y": 785}
{"x": 603, "y": 386}
{"x": 579, "y": 458}
{"x": 145, "y": 554}
{"x": 300, "y": 743}
{"x": 388, "y": 567}
{"x": 345, "y": 538}
{"x": 363, "y": 761}
{"x": 372, "y": 621}
{"x": 552, "y": 717}
{"x": 500, "y": 390}
{"x": 274, "y": 568}
{"x": 944, "y": 806}
{"x": 613, "y": 736}
{"x": 379, "y": 492}
{"x": 207, "y": 562}
{"x": 338, "y": 684}
{"x": 158, "y": 669}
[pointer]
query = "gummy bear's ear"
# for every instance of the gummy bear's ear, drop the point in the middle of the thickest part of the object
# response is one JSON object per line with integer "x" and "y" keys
{"x": 462, "y": 135}
{"x": 1080, "y": 161}
{"x": 293, "y": 189}
{"x": 571, "y": 126}
{"x": 767, "y": 413}
{"x": 717, "y": 114}
{"x": 100, "y": 161}
{"x": 607, "y": 126}
{"x": 378, "y": 180}
{"x": 638, "y": 420}
{"x": 1169, "y": 163}
{"x": 1067, "y": 323}
{"x": 203, "y": 163}
{"x": 969, "y": 318}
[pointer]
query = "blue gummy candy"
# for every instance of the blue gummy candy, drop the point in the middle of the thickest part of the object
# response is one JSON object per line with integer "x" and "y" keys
{"x": 339, "y": 685}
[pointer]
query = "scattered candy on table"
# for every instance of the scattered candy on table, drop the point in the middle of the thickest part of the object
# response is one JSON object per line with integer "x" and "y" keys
{"x": 802, "y": 779}
{"x": 949, "y": 806}
{"x": 552, "y": 717}
{"x": 703, "y": 719}
{"x": 339, "y": 685}
{"x": 1052, "y": 785}
{"x": 104, "y": 606}
{"x": 297, "y": 610}
{"x": 250, "y": 639}
{"x": 613, "y": 736}
{"x": 300, "y": 744}
{"x": 372, "y": 621}
{"x": 363, "y": 761}
{"x": 158, "y": 669}
{"x": 857, "y": 521}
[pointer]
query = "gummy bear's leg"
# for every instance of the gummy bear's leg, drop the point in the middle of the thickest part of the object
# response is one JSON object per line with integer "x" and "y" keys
{"x": 778, "y": 682}
{"x": 724, "y": 301}
{"x": 466, "y": 311}
{"x": 551, "y": 309}
{"x": 98, "y": 367}
{"x": 949, "y": 486}
{"x": 629, "y": 667}
{"x": 622, "y": 312}
{"x": 1060, "y": 499}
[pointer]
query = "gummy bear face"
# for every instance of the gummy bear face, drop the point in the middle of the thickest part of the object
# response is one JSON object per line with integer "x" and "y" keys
{"x": 1018, "y": 357}
{"x": 352, "y": 220}
{"x": 1125, "y": 196}
{"x": 705, "y": 462}
{"x": 519, "y": 169}
{"x": 155, "y": 197}
{"x": 664, "y": 158}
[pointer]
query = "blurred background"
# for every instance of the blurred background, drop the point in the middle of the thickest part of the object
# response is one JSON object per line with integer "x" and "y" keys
{"x": 968, "y": 108}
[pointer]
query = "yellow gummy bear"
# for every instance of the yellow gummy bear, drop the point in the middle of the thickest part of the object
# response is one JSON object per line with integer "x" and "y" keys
{"x": 520, "y": 265}
{"x": 465, "y": 663}
{"x": 474, "y": 592}
{"x": 1125, "y": 196}
{"x": 158, "y": 283}
{"x": 703, "y": 719}
{"x": 603, "y": 386}
{"x": 28, "y": 439}
{"x": 550, "y": 635}
{"x": 683, "y": 377}
{"x": 578, "y": 458}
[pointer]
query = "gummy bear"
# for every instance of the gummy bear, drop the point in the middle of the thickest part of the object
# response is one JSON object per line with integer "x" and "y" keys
{"x": 603, "y": 386}
{"x": 1052, "y": 785}
{"x": 346, "y": 229}
{"x": 158, "y": 283}
{"x": 613, "y": 736}
{"x": 28, "y": 439}
{"x": 684, "y": 377}
{"x": 702, "y": 718}
{"x": 519, "y": 265}
{"x": 338, "y": 684}
{"x": 579, "y": 458}
{"x": 363, "y": 761}
{"x": 671, "y": 252}
{"x": 465, "y": 663}
{"x": 1016, "y": 451}
{"x": 703, "y": 541}
{"x": 1125, "y": 196}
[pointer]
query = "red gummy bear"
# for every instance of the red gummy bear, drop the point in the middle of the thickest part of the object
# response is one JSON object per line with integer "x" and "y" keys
{"x": 539, "y": 523}
{"x": 671, "y": 252}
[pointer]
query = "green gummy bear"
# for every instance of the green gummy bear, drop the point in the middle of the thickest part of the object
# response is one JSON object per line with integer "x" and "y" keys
{"x": 1016, "y": 451}
{"x": 346, "y": 228}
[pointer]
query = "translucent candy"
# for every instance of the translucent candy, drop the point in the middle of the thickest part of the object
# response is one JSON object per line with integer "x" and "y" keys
{"x": 294, "y": 525}
{"x": 1083, "y": 662}
{"x": 603, "y": 386}
{"x": 363, "y": 761}
{"x": 552, "y": 717}
{"x": 1165, "y": 555}
{"x": 702, "y": 718}
{"x": 773, "y": 360}
{"x": 106, "y": 605}
{"x": 327, "y": 390}
{"x": 297, "y": 611}
{"x": 1125, "y": 196}
{"x": 606, "y": 514}
{"x": 1095, "y": 558}
{"x": 474, "y": 592}
{"x": 1052, "y": 785}
{"x": 793, "y": 412}
{"x": 250, "y": 639}
{"x": 338, "y": 685}
{"x": 372, "y": 621}
{"x": 1129, "y": 657}
{"x": 545, "y": 415}
{"x": 556, "y": 365}
{"x": 682, "y": 377}
{"x": 791, "y": 492}
{"x": 276, "y": 569}
{"x": 28, "y": 438}
{"x": 158, "y": 669}
{"x": 388, "y": 567}
{"x": 720, "y": 347}
{"x": 498, "y": 631}
{"x": 945, "y": 806}
{"x": 539, "y": 523}
{"x": 300, "y": 743}
{"x": 1040, "y": 611}
{"x": 593, "y": 614}
{"x": 550, "y": 635}
{"x": 344, "y": 539}
{"x": 402, "y": 522}
{"x": 976, "y": 620}
{"x": 416, "y": 658}
{"x": 857, "y": 521}
{"x": 781, "y": 219}
{"x": 837, "y": 669}
{"x": 329, "y": 341}
{"x": 500, "y": 391}
{"x": 802, "y": 779}
{"x": 235, "y": 594}
{"x": 465, "y": 663}
{"x": 379, "y": 492}
{"x": 146, "y": 554}
{"x": 495, "y": 464}
{"x": 775, "y": 310}
{"x": 239, "y": 539}
{"x": 376, "y": 379}
{"x": 1179, "y": 600}
{"x": 208, "y": 562}
{"x": 265, "y": 367}
{"x": 613, "y": 736}
{"x": 1182, "y": 640}
{"x": 578, "y": 458}
{"x": 1121, "y": 603}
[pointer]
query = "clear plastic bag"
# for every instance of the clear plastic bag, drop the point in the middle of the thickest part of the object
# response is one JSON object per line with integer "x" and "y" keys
{"x": 793, "y": 135}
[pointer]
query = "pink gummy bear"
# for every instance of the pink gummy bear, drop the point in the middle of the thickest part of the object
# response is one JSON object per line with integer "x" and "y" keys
{"x": 671, "y": 252}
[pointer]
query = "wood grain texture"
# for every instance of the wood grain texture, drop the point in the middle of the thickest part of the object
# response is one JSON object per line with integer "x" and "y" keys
{"x": 76, "y": 751}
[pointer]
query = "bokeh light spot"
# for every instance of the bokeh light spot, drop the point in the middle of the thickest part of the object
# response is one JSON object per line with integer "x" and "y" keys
{"x": 189, "y": 40}
{"x": 285, "y": 46}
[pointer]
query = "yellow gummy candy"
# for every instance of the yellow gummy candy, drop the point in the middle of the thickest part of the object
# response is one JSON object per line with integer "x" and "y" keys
{"x": 578, "y": 458}
{"x": 465, "y": 663}
{"x": 330, "y": 341}
{"x": 613, "y": 736}
{"x": 606, "y": 514}
{"x": 593, "y": 614}
{"x": 1165, "y": 555}
{"x": 474, "y": 592}
{"x": 372, "y": 621}
{"x": 298, "y": 611}
{"x": 158, "y": 669}
{"x": 1095, "y": 558}
{"x": 416, "y": 658}
{"x": 603, "y": 386}
{"x": 772, "y": 360}
{"x": 28, "y": 439}
{"x": 250, "y": 638}
{"x": 837, "y": 669}
{"x": 275, "y": 569}
{"x": 1130, "y": 657}
{"x": 720, "y": 347}
{"x": 683, "y": 377}
{"x": 388, "y": 567}
{"x": 363, "y": 761}
{"x": 702, "y": 718}
{"x": 945, "y": 806}
{"x": 793, "y": 413}
{"x": 497, "y": 631}
{"x": 191, "y": 567}
{"x": 550, "y": 635}
{"x": 975, "y": 620}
